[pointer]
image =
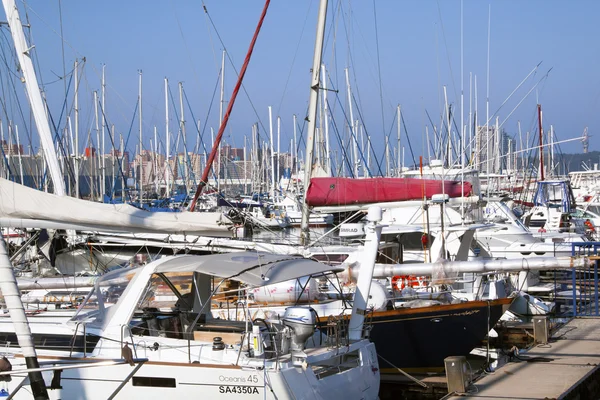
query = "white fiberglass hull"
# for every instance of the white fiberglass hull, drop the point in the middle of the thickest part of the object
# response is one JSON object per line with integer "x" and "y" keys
{"x": 170, "y": 380}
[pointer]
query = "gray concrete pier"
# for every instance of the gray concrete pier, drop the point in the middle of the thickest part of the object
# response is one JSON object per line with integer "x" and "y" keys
{"x": 565, "y": 368}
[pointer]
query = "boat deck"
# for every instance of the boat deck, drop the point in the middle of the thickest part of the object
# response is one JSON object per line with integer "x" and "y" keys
{"x": 568, "y": 367}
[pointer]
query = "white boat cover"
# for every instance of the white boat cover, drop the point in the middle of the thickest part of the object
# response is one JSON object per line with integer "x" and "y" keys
{"x": 252, "y": 268}
{"x": 25, "y": 206}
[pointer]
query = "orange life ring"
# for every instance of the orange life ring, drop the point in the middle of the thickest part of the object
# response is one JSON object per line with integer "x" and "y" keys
{"x": 589, "y": 225}
{"x": 399, "y": 282}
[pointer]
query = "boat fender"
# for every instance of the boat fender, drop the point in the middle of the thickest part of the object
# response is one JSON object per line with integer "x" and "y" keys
{"x": 424, "y": 240}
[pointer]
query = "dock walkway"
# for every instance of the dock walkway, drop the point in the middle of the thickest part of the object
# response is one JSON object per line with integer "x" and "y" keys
{"x": 565, "y": 368}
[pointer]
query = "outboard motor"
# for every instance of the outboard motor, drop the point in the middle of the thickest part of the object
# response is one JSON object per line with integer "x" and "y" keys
{"x": 301, "y": 320}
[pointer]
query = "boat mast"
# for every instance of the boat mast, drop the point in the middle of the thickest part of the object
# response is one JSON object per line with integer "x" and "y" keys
{"x": 168, "y": 148}
{"x": 278, "y": 169}
{"x": 353, "y": 133}
{"x": 141, "y": 191}
{"x": 312, "y": 114}
{"x": 234, "y": 94}
{"x": 76, "y": 110}
{"x": 12, "y": 298}
{"x": 103, "y": 152}
{"x": 34, "y": 95}
{"x": 272, "y": 155}
{"x": 221, "y": 102}
{"x": 541, "y": 173}
{"x": 95, "y": 175}
{"x": 183, "y": 139}
{"x": 295, "y": 153}
{"x": 399, "y": 145}
{"x": 326, "y": 120}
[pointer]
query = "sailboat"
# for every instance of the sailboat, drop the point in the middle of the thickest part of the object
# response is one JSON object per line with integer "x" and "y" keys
{"x": 160, "y": 314}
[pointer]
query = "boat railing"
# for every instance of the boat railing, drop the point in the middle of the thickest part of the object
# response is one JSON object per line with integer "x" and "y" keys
{"x": 123, "y": 341}
{"x": 74, "y": 338}
{"x": 584, "y": 281}
{"x": 62, "y": 365}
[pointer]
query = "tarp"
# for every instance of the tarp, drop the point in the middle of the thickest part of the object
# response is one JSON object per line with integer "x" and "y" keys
{"x": 346, "y": 191}
{"x": 27, "y": 204}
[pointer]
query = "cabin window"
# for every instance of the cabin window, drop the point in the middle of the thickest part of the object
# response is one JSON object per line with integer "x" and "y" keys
{"x": 151, "y": 381}
{"x": 158, "y": 311}
{"x": 413, "y": 240}
{"x": 330, "y": 259}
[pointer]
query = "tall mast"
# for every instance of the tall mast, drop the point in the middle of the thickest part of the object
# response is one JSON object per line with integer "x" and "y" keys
{"x": 541, "y": 173}
{"x": 183, "y": 138}
{"x": 103, "y": 152}
{"x": 399, "y": 144}
{"x": 221, "y": 102}
{"x": 295, "y": 153}
{"x": 326, "y": 119}
{"x": 76, "y": 106}
{"x": 245, "y": 166}
{"x": 168, "y": 146}
{"x": 277, "y": 167}
{"x": 155, "y": 158}
{"x": 272, "y": 154}
{"x": 122, "y": 147}
{"x": 100, "y": 190}
{"x": 487, "y": 103}
{"x": 141, "y": 164}
{"x": 312, "y": 114}
{"x": 352, "y": 129}
{"x": 34, "y": 95}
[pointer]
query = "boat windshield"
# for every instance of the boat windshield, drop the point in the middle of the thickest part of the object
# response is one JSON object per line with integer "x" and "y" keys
{"x": 106, "y": 292}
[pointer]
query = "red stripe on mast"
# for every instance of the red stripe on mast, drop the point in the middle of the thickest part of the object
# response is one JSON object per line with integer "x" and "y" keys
{"x": 211, "y": 157}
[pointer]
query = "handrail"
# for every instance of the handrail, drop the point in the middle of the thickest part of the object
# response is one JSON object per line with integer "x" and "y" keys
{"x": 67, "y": 365}
{"x": 88, "y": 364}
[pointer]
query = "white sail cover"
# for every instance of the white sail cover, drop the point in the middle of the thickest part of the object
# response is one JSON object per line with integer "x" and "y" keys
{"x": 21, "y": 206}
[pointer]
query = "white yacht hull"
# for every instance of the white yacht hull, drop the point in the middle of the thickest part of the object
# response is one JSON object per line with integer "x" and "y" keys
{"x": 170, "y": 380}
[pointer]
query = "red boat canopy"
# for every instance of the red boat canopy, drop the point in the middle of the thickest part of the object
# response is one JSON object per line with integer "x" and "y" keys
{"x": 346, "y": 191}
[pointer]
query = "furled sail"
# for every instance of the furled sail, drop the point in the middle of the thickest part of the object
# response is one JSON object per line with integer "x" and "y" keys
{"x": 21, "y": 206}
{"x": 348, "y": 191}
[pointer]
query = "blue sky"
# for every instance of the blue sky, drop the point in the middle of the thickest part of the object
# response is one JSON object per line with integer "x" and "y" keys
{"x": 406, "y": 57}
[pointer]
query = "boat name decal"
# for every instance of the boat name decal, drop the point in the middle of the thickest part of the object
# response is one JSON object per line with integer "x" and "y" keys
{"x": 238, "y": 379}
{"x": 239, "y": 389}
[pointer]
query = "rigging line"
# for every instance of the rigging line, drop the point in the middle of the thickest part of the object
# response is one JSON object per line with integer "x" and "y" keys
{"x": 210, "y": 36}
{"x": 234, "y": 68}
{"x": 229, "y": 107}
{"x": 68, "y": 167}
{"x": 379, "y": 66}
{"x": 408, "y": 139}
{"x": 287, "y": 81}
{"x": 179, "y": 135}
{"x": 517, "y": 88}
{"x": 31, "y": 41}
{"x": 28, "y": 8}
{"x": 361, "y": 153}
{"x": 62, "y": 43}
{"x": 447, "y": 50}
{"x": 543, "y": 79}
{"x": 346, "y": 158}
{"x": 205, "y": 120}
{"x": 436, "y": 135}
{"x": 187, "y": 50}
{"x": 19, "y": 108}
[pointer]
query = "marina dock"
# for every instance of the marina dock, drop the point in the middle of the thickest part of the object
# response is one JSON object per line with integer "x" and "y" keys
{"x": 567, "y": 367}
